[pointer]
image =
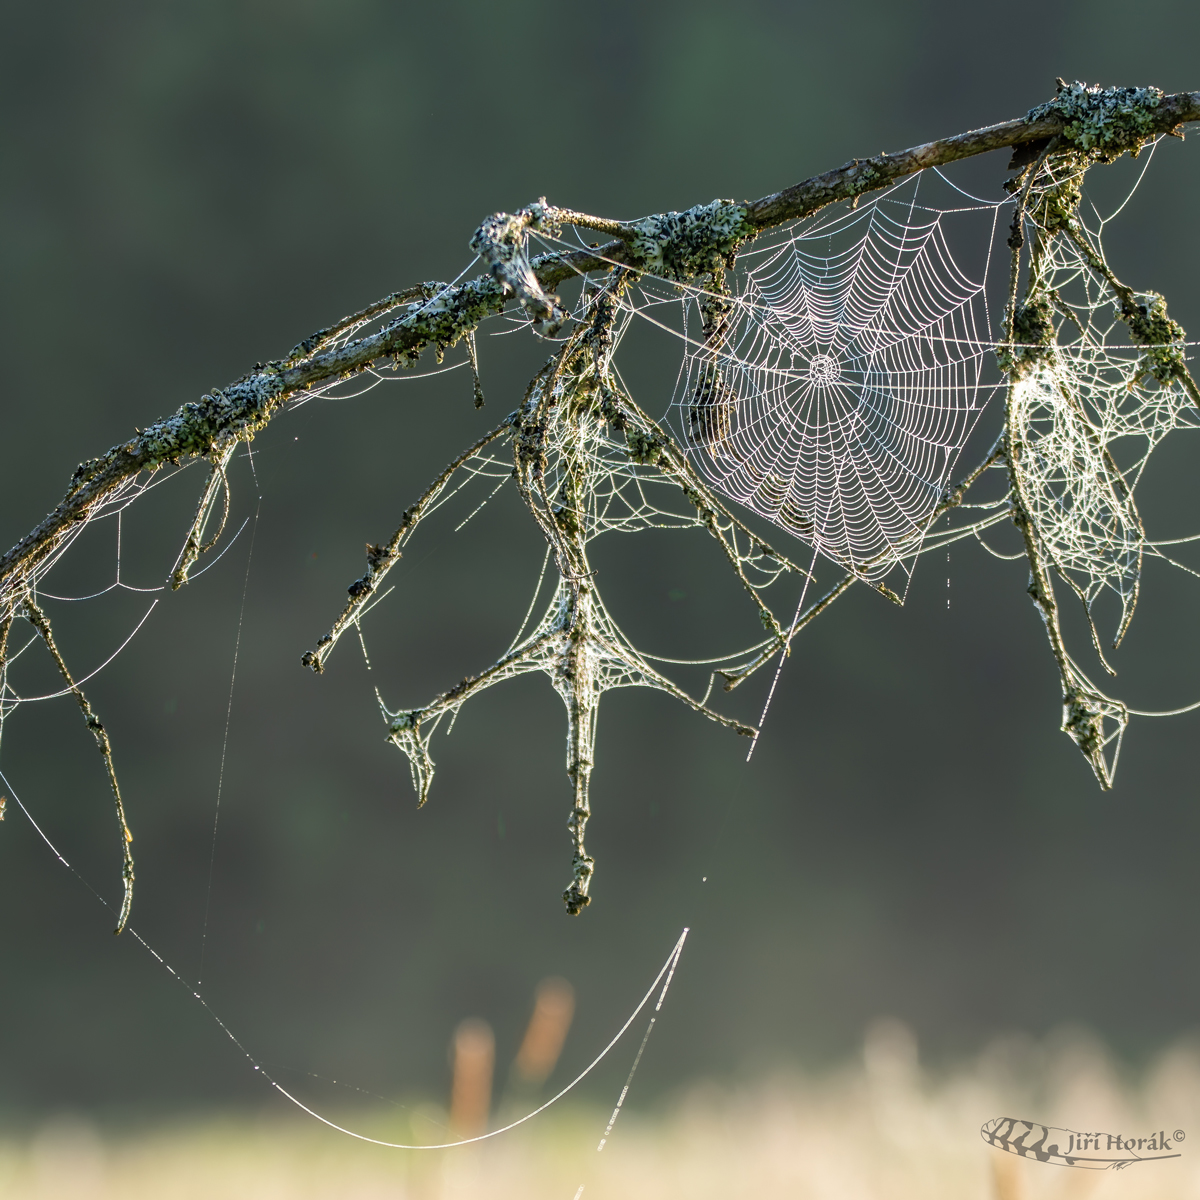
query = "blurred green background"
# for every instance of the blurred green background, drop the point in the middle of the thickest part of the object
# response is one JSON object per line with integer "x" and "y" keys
{"x": 190, "y": 188}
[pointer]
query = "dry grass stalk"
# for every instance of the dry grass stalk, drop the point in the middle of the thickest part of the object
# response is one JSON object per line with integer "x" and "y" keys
{"x": 471, "y": 1095}
{"x": 543, "y": 1042}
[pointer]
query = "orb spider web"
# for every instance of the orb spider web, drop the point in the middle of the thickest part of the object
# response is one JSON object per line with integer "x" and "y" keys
{"x": 832, "y": 390}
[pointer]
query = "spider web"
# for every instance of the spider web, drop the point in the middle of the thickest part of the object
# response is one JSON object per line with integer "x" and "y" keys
{"x": 843, "y": 378}
{"x": 587, "y": 461}
{"x": 1088, "y": 416}
{"x": 622, "y": 497}
{"x": 1099, "y": 378}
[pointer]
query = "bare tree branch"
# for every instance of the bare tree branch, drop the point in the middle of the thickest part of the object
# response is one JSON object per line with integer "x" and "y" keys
{"x": 675, "y": 245}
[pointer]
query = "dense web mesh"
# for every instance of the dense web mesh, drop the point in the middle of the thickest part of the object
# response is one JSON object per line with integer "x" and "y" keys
{"x": 598, "y": 488}
{"x": 832, "y": 391}
{"x": 1098, "y": 377}
{"x": 1089, "y": 409}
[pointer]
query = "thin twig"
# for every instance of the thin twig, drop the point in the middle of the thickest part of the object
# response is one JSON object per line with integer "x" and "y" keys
{"x": 38, "y": 619}
{"x": 381, "y": 559}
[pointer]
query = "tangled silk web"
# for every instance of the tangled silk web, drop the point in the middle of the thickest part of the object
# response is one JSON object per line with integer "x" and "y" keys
{"x": 587, "y": 460}
{"x": 1098, "y": 377}
{"x": 1089, "y": 409}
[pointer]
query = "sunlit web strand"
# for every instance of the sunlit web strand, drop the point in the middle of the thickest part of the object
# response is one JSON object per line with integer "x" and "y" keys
{"x": 665, "y": 972}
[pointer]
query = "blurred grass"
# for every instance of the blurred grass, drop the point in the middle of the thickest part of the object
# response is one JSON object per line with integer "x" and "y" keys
{"x": 879, "y": 1127}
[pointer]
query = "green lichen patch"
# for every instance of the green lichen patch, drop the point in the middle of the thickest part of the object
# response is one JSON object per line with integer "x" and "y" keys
{"x": 1083, "y": 722}
{"x": 683, "y": 245}
{"x": 864, "y": 175}
{"x": 644, "y": 446}
{"x": 1162, "y": 336}
{"x": 237, "y": 412}
{"x": 1055, "y": 202}
{"x": 1104, "y": 123}
{"x": 1033, "y": 335}
{"x": 442, "y": 321}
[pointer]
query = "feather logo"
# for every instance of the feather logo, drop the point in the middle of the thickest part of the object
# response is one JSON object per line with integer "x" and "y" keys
{"x": 1072, "y": 1148}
